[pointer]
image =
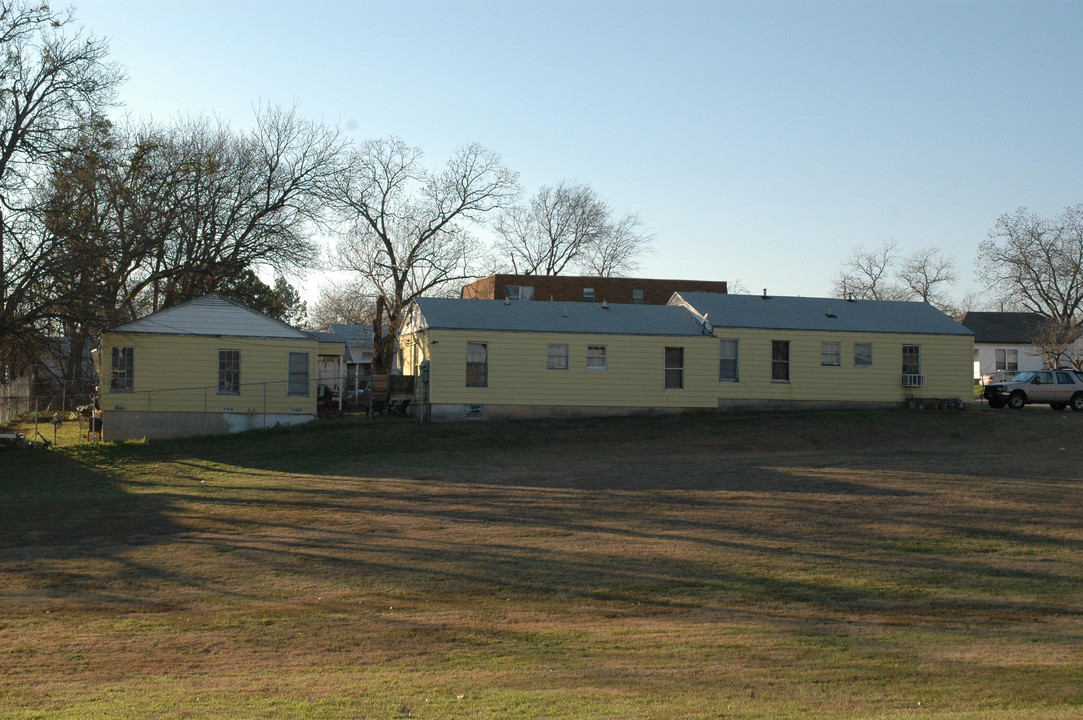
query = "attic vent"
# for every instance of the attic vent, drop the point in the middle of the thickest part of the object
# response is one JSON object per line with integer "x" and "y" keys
{"x": 765, "y": 295}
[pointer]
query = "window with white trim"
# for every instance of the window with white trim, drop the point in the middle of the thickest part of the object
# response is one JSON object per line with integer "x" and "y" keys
{"x": 911, "y": 359}
{"x": 122, "y": 374}
{"x": 298, "y": 374}
{"x": 229, "y": 372}
{"x": 780, "y": 360}
{"x": 674, "y": 368}
{"x": 588, "y": 294}
{"x": 1007, "y": 359}
{"x": 519, "y": 292}
{"x": 557, "y": 357}
{"x": 862, "y": 354}
{"x": 596, "y": 357}
{"x": 728, "y": 366}
{"x": 477, "y": 364}
{"x": 830, "y": 353}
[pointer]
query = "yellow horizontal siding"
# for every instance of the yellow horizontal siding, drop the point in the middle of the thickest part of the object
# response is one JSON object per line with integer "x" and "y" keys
{"x": 635, "y": 374}
{"x": 518, "y": 373}
{"x": 175, "y": 373}
{"x": 945, "y": 362}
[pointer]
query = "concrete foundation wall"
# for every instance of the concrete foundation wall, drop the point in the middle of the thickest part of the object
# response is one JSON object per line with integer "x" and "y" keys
{"x": 451, "y": 412}
{"x": 135, "y": 425}
{"x": 454, "y": 412}
{"x": 732, "y": 404}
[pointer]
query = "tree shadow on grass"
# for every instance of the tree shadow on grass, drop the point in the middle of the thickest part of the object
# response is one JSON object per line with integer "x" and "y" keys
{"x": 652, "y": 521}
{"x": 56, "y": 512}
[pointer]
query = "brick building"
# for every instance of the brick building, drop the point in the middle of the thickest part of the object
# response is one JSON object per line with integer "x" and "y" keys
{"x": 640, "y": 291}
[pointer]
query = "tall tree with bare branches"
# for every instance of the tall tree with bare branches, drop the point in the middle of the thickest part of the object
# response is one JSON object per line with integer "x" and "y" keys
{"x": 1037, "y": 262}
{"x": 880, "y": 274}
{"x": 569, "y": 227}
{"x": 407, "y": 228}
{"x": 55, "y": 80}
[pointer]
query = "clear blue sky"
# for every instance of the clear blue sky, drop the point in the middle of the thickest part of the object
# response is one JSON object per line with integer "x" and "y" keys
{"x": 760, "y": 141}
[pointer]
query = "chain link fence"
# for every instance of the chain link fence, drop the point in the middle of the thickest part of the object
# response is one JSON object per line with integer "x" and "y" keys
{"x": 65, "y": 420}
{"x": 61, "y": 420}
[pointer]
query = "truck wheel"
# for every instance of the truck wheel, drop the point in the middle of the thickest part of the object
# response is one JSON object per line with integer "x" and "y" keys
{"x": 1017, "y": 400}
{"x": 1058, "y": 406}
{"x": 1077, "y": 402}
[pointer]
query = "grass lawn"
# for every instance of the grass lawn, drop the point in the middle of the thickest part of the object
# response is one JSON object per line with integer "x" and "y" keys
{"x": 859, "y": 564}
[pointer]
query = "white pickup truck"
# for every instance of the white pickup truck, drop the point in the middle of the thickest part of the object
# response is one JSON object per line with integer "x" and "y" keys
{"x": 1057, "y": 388}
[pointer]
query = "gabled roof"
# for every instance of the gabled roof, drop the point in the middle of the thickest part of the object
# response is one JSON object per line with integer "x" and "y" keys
{"x": 357, "y": 335}
{"x": 557, "y": 317}
{"x": 801, "y": 313}
{"x": 215, "y": 315}
{"x": 1015, "y": 328}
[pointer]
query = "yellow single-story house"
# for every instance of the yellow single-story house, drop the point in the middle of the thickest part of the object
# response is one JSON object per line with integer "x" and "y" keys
{"x": 820, "y": 351}
{"x": 494, "y": 359}
{"x": 210, "y": 365}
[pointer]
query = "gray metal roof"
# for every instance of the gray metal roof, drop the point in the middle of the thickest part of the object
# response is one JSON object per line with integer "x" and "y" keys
{"x": 801, "y": 313}
{"x": 557, "y": 317}
{"x": 1015, "y": 328}
{"x": 212, "y": 314}
{"x": 359, "y": 335}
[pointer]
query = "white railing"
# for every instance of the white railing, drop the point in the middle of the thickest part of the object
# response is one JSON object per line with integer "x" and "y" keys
{"x": 909, "y": 380}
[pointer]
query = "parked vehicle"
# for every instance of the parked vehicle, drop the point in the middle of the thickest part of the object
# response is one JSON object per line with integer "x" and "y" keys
{"x": 1000, "y": 376}
{"x": 1057, "y": 388}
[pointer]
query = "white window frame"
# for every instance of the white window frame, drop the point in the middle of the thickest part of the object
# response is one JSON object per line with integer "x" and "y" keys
{"x": 588, "y": 294}
{"x": 1002, "y": 359}
{"x": 857, "y": 356}
{"x": 596, "y": 352}
{"x": 229, "y": 373}
{"x": 296, "y": 384}
{"x": 670, "y": 358}
{"x": 911, "y": 369}
{"x": 637, "y": 296}
{"x": 483, "y": 364}
{"x": 521, "y": 292}
{"x": 831, "y": 354}
{"x": 122, "y": 369}
{"x": 780, "y": 363}
{"x": 736, "y": 359}
{"x": 559, "y": 359}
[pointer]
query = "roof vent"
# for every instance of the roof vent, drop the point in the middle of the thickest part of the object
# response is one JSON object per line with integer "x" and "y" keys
{"x": 765, "y": 296}
{"x": 565, "y": 312}
{"x": 830, "y": 314}
{"x": 851, "y": 298}
{"x": 605, "y": 305}
{"x": 507, "y": 301}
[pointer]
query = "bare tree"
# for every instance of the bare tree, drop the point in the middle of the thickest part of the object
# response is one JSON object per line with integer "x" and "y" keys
{"x": 54, "y": 81}
{"x": 866, "y": 274}
{"x": 242, "y": 201}
{"x": 879, "y": 274}
{"x": 925, "y": 273}
{"x": 406, "y": 225}
{"x": 972, "y": 301}
{"x": 617, "y": 252}
{"x": 569, "y": 226}
{"x": 557, "y": 226}
{"x": 346, "y": 303}
{"x": 1058, "y": 341}
{"x": 1036, "y": 262}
